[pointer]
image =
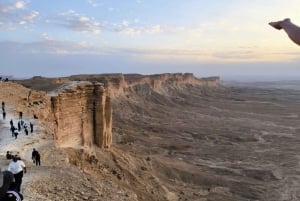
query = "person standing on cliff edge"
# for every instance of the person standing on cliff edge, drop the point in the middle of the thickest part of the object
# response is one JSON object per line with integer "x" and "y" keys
{"x": 292, "y": 30}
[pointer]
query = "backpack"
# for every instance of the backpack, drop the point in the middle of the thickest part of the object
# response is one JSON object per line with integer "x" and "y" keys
{"x": 12, "y": 196}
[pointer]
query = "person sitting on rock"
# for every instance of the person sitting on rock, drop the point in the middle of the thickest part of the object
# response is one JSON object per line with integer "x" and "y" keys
{"x": 292, "y": 30}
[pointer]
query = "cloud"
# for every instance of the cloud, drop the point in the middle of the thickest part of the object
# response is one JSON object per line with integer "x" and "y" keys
{"x": 5, "y": 7}
{"x": 127, "y": 28}
{"x": 49, "y": 45}
{"x": 15, "y": 13}
{"x": 79, "y": 22}
{"x": 94, "y": 3}
{"x": 29, "y": 18}
{"x": 20, "y": 4}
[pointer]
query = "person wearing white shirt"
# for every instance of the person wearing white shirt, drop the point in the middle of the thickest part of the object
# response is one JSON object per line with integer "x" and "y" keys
{"x": 17, "y": 167}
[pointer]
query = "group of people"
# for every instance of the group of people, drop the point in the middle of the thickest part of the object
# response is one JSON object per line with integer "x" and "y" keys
{"x": 11, "y": 179}
{"x": 2, "y": 79}
{"x": 21, "y": 125}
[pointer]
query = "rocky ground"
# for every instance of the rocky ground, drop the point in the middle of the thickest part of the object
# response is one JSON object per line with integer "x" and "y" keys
{"x": 231, "y": 143}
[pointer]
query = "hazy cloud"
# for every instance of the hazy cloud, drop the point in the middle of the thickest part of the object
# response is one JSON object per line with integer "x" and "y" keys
{"x": 13, "y": 13}
{"x": 79, "y": 22}
{"x": 238, "y": 54}
{"x": 94, "y": 3}
{"x": 125, "y": 27}
{"x": 20, "y": 5}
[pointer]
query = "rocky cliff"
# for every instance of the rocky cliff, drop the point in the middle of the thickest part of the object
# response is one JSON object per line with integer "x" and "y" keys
{"x": 76, "y": 113}
{"x": 82, "y": 115}
{"x": 78, "y": 110}
{"x": 119, "y": 84}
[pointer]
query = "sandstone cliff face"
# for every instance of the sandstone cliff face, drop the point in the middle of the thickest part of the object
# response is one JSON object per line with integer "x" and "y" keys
{"x": 18, "y": 98}
{"x": 83, "y": 116}
{"x": 78, "y": 110}
{"x": 174, "y": 80}
{"x": 77, "y": 114}
{"x": 118, "y": 84}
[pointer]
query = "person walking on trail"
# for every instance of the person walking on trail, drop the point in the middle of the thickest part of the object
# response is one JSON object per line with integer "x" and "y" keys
{"x": 31, "y": 127}
{"x": 16, "y": 133}
{"x": 38, "y": 159}
{"x": 4, "y": 115}
{"x": 8, "y": 155}
{"x": 12, "y": 129}
{"x": 292, "y": 30}
{"x": 12, "y": 195}
{"x": 26, "y": 131}
{"x": 18, "y": 168}
{"x": 6, "y": 178}
{"x": 19, "y": 126}
{"x": 33, "y": 155}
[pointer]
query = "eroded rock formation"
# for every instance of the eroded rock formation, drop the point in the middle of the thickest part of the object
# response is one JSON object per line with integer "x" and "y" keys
{"x": 78, "y": 110}
{"x": 82, "y": 115}
{"x": 76, "y": 114}
{"x": 118, "y": 84}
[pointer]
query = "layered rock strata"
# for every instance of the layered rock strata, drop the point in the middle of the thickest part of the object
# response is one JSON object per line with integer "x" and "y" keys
{"x": 83, "y": 115}
{"x": 77, "y": 109}
{"x": 76, "y": 114}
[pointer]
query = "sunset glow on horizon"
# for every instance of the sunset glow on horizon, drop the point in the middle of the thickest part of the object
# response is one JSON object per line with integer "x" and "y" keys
{"x": 222, "y": 38}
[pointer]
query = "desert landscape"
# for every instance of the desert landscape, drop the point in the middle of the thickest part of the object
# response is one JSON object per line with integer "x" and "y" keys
{"x": 165, "y": 137}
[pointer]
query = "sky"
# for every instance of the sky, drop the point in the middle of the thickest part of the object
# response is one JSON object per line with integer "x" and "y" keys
{"x": 226, "y": 38}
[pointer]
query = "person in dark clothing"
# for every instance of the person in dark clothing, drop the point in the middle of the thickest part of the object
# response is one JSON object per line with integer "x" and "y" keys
{"x": 31, "y": 127}
{"x": 16, "y": 133}
{"x": 19, "y": 125}
{"x": 12, "y": 129}
{"x": 6, "y": 179}
{"x": 38, "y": 159}
{"x": 26, "y": 131}
{"x": 12, "y": 194}
{"x": 8, "y": 155}
{"x": 11, "y": 122}
{"x": 4, "y": 114}
{"x": 33, "y": 154}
